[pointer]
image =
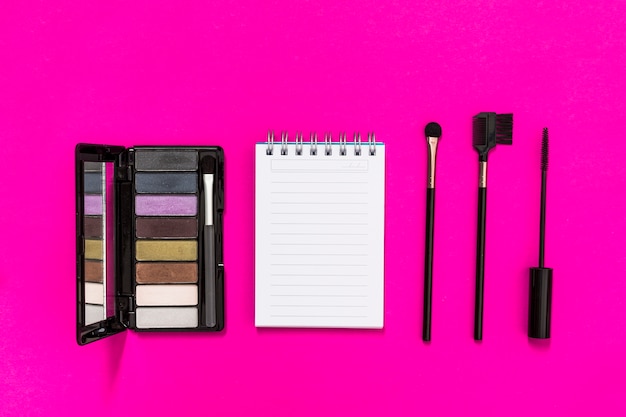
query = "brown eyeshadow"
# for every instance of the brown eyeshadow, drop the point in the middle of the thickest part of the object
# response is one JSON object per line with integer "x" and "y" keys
{"x": 154, "y": 227}
{"x": 166, "y": 272}
{"x": 93, "y": 226}
{"x": 94, "y": 271}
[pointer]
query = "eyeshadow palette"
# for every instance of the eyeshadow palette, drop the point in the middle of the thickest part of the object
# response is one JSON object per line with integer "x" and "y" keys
{"x": 149, "y": 239}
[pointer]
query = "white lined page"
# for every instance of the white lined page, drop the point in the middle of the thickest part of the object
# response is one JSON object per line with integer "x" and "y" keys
{"x": 319, "y": 241}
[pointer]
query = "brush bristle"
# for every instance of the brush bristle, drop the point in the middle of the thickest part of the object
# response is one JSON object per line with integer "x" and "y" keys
{"x": 504, "y": 129}
{"x": 544, "y": 150}
{"x": 479, "y": 130}
{"x": 207, "y": 165}
{"x": 433, "y": 129}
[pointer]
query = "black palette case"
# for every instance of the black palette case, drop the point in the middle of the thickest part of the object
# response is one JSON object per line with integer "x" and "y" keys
{"x": 149, "y": 230}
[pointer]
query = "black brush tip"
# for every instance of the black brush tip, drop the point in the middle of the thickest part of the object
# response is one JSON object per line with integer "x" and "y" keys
{"x": 433, "y": 129}
{"x": 207, "y": 165}
{"x": 544, "y": 150}
{"x": 504, "y": 129}
{"x": 479, "y": 130}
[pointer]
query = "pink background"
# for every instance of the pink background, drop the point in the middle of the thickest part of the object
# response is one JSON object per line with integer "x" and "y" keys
{"x": 223, "y": 73}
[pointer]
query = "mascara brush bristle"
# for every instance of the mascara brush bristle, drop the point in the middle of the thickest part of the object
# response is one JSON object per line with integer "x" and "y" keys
{"x": 544, "y": 150}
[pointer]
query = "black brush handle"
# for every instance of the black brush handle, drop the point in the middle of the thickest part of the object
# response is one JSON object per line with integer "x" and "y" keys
{"x": 209, "y": 277}
{"x": 428, "y": 263}
{"x": 480, "y": 263}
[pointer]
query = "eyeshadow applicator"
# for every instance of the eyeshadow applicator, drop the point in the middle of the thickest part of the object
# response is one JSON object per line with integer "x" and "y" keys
{"x": 207, "y": 169}
{"x": 433, "y": 134}
{"x": 489, "y": 129}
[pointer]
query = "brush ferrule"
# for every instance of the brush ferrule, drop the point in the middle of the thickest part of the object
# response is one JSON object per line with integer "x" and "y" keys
{"x": 482, "y": 174}
{"x": 433, "y": 141}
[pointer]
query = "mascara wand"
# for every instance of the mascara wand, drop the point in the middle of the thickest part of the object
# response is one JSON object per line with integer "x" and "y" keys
{"x": 540, "y": 292}
{"x": 433, "y": 134}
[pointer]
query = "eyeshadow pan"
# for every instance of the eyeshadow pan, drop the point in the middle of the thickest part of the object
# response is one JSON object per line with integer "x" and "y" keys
{"x": 93, "y": 204}
{"x": 93, "y": 166}
{"x": 94, "y": 271}
{"x": 166, "y": 272}
{"x": 93, "y": 227}
{"x": 93, "y": 249}
{"x": 166, "y": 205}
{"x": 166, "y": 250}
{"x": 94, "y": 293}
{"x": 93, "y": 182}
{"x": 166, "y": 182}
{"x": 169, "y": 227}
{"x": 158, "y": 160}
{"x": 167, "y": 295}
{"x": 166, "y": 317}
{"x": 94, "y": 313}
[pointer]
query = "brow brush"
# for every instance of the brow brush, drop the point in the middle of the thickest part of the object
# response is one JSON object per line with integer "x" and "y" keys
{"x": 433, "y": 134}
{"x": 488, "y": 130}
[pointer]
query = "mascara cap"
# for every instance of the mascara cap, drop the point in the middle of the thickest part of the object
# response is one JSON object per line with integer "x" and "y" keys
{"x": 540, "y": 303}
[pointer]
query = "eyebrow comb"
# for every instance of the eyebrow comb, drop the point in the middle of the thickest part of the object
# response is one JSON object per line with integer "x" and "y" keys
{"x": 488, "y": 130}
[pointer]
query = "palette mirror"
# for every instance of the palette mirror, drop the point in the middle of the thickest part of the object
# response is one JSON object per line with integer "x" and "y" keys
{"x": 98, "y": 285}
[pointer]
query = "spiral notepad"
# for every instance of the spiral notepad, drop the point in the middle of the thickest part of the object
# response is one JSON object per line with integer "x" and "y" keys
{"x": 319, "y": 243}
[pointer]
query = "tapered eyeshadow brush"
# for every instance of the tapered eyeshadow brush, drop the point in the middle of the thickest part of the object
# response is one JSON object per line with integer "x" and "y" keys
{"x": 489, "y": 129}
{"x": 433, "y": 134}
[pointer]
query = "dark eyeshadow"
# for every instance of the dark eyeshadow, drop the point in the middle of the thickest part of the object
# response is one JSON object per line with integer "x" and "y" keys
{"x": 93, "y": 226}
{"x": 159, "y": 160}
{"x": 166, "y": 182}
{"x": 169, "y": 227}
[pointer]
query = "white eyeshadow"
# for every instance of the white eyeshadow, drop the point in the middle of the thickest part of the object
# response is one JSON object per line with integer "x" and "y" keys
{"x": 166, "y": 317}
{"x": 94, "y": 313}
{"x": 167, "y": 295}
{"x": 94, "y": 293}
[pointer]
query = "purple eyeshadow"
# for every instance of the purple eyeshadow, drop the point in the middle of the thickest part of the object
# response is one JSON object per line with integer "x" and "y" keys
{"x": 166, "y": 205}
{"x": 93, "y": 205}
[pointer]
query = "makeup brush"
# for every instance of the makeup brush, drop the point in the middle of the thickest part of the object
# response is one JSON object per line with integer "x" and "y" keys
{"x": 540, "y": 292}
{"x": 489, "y": 129}
{"x": 207, "y": 168}
{"x": 433, "y": 133}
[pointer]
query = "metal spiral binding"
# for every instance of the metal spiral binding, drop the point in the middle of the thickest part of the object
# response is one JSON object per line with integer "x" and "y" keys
{"x": 283, "y": 143}
{"x": 270, "y": 143}
{"x": 328, "y": 142}
{"x": 298, "y": 143}
{"x": 371, "y": 138}
{"x": 342, "y": 144}
{"x": 328, "y": 139}
{"x": 357, "y": 144}
{"x": 313, "y": 143}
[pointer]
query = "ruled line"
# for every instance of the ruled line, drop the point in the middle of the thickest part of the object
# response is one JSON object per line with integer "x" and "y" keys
{"x": 317, "y": 305}
{"x": 318, "y": 254}
{"x": 318, "y": 264}
{"x": 318, "y": 285}
{"x": 321, "y": 223}
{"x": 318, "y": 295}
{"x": 318, "y": 244}
{"x": 317, "y": 315}
{"x": 319, "y": 275}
